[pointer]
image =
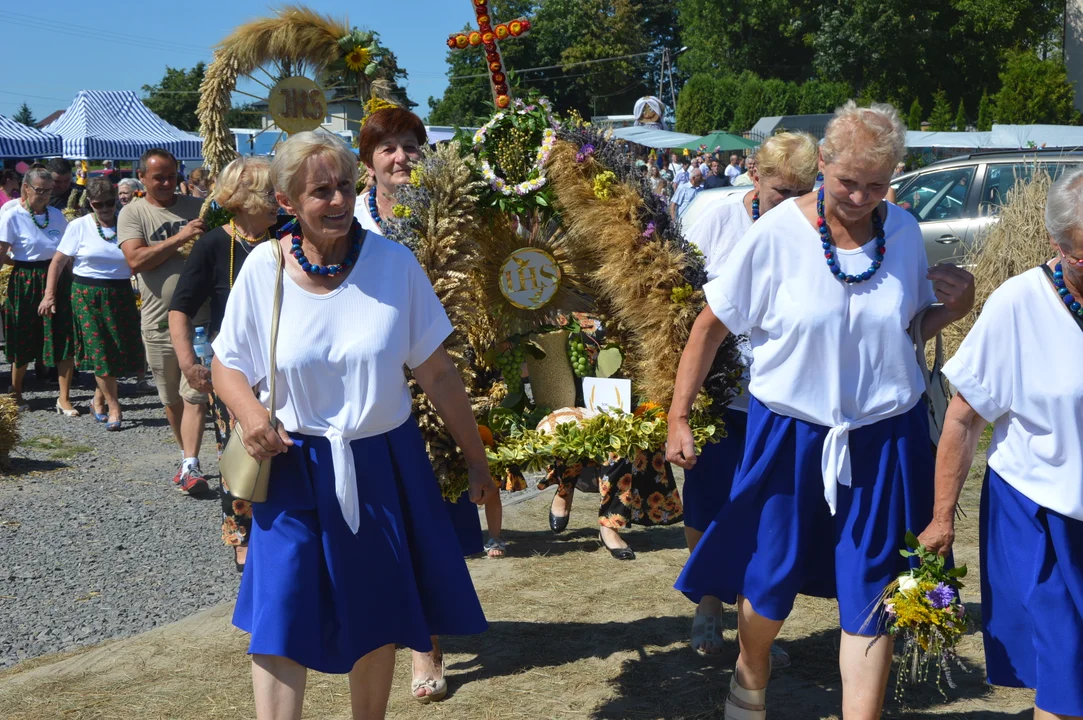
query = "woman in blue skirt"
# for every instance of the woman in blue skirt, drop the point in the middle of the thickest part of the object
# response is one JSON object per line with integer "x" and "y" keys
{"x": 353, "y": 551}
{"x": 787, "y": 167}
{"x": 1019, "y": 369}
{"x": 837, "y": 462}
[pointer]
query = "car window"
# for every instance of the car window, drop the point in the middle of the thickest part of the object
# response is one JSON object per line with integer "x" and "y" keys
{"x": 1001, "y": 177}
{"x": 937, "y": 195}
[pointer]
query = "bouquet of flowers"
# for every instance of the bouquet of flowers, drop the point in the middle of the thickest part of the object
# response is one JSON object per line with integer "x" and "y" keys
{"x": 925, "y": 613}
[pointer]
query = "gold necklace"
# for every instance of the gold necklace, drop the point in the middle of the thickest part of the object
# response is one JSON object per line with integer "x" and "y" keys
{"x": 235, "y": 236}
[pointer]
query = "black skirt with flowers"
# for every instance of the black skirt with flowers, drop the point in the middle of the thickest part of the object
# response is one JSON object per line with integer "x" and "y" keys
{"x": 634, "y": 491}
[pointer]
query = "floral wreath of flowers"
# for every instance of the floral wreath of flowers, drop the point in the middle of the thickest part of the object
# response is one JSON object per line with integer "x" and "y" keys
{"x": 537, "y": 180}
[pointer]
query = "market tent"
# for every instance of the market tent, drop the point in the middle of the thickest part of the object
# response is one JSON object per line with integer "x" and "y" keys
{"x": 21, "y": 141}
{"x": 118, "y": 126}
{"x": 1022, "y": 137}
{"x": 652, "y": 138}
{"x": 728, "y": 142}
{"x": 969, "y": 140}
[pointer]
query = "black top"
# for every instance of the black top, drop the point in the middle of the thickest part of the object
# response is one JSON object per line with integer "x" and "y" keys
{"x": 715, "y": 181}
{"x": 206, "y": 276}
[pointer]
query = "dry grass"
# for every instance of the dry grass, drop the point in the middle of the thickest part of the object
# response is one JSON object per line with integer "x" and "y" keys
{"x": 574, "y": 635}
{"x": 1015, "y": 243}
{"x": 633, "y": 278}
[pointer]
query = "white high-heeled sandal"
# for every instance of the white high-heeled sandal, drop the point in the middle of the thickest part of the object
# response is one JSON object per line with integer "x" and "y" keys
{"x": 61, "y": 411}
{"x": 746, "y": 697}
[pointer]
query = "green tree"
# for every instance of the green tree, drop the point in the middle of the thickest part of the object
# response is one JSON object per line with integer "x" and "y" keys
{"x": 697, "y": 111}
{"x": 25, "y": 116}
{"x": 913, "y": 120}
{"x": 822, "y": 96}
{"x": 940, "y": 118}
{"x": 176, "y": 97}
{"x": 985, "y": 113}
{"x": 1034, "y": 91}
{"x": 244, "y": 116}
{"x": 960, "y": 118}
{"x": 767, "y": 37}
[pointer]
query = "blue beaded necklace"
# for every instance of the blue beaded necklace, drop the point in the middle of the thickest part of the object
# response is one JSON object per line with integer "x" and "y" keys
{"x": 829, "y": 252}
{"x": 755, "y": 207}
{"x": 373, "y": 210}
{"x": 1065, "y": 295}
{"x": 329, "y": 270}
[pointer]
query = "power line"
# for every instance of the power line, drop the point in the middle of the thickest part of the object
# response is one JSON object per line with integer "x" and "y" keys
{"x": 36, "y": 97}
{"x": 76, "y": 31}
{"x": 555, "y": 67}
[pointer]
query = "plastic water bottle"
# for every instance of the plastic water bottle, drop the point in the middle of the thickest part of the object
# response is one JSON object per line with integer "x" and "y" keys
{"x": 202, "y": 346}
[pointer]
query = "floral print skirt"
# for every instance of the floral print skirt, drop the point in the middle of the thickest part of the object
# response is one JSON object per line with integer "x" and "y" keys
{"x": 30, "y": 336}
{"x": 236, "y": 513}
{"x": 634, "y": 491}
{"x": 107, "y": 336}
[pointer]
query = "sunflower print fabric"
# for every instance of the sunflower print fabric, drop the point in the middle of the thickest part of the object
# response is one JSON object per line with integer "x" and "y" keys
{"x": 633, "y": 491}
{"x": 236, "y": 513}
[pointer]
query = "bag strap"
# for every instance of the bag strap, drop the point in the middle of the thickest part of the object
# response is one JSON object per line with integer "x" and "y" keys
{"x": 1049, "y": 274}
{"x": 276, "y": 313}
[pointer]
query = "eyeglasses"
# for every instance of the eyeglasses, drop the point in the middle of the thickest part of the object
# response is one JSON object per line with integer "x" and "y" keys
{"x": 103, "y": 205}
{"x": 41, "y": 191}
{"x": 1074, "y": 261}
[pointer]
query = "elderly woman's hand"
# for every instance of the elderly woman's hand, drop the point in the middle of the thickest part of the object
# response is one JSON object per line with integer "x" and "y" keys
{"x": 47, "y": 306}
{"x": 260, "y": 440}
{"x": 482, "y": 487}
{"x": 954, "y": 288}
{"x": 938, "y": 536}
{"x": 680, "y": 446}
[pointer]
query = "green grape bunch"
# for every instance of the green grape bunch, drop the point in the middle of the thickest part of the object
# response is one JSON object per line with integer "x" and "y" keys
{"x": 577, "y": 354}
{"x": 510, "y": 364}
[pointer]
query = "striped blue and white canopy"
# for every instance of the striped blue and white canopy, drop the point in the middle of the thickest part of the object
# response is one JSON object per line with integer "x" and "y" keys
{"x": 20, "y": 141}
{"x": 118, "y": 126}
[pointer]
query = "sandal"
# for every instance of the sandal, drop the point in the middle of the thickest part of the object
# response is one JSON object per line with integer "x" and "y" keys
{"x": 496, "y": 548}
{"x": 707, "y": 629}
{"x": 740, "y": 701}
{"x": 437, "y": 687}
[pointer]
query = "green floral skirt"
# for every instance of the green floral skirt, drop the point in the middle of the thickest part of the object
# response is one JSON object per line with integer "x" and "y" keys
{"x": 236, "y": 513}
{"x": 29, "y": 336}
{"x": 107, "y": 337}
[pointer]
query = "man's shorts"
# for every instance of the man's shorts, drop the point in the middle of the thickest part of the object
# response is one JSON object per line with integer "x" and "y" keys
{"x": 162, "y": 358}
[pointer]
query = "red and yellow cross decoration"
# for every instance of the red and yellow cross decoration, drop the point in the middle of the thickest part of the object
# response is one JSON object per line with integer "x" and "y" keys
{"x": 488, "y": 35}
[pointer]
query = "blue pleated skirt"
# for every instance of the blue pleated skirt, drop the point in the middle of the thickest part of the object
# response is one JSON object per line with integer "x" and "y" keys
{"x": 467, "y": 524}
{"x": 1032, "y": 597}
{"x": 707, "y": 486}
{"x": 776, "y": 537}
{"x": 320, "y": 595}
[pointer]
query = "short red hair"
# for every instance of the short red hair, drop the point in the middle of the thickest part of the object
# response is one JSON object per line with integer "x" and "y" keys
{"x": 386, "y": 123}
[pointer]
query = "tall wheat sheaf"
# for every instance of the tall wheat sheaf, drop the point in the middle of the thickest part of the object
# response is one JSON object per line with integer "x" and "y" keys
{"x": 295, "y": 40}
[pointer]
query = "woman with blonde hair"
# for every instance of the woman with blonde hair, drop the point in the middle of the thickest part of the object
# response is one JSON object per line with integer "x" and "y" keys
{"x": 353, "y": 552}
{"x": 788, "y": 164}
{"x": 245, "y": 190}
{"x": 837, "y": 463}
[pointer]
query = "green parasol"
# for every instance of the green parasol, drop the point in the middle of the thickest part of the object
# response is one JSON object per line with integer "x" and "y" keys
{"x": 718, "y": 139}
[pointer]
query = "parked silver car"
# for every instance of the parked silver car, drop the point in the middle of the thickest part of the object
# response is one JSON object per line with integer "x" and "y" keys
{"x": 955, "y": 201}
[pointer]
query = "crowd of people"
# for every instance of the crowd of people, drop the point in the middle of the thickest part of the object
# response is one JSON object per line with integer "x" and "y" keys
{"x": 826, "y": 466}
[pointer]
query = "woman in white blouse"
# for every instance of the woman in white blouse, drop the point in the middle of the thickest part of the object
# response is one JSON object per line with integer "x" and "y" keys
{"x": 353, "y": 551}
{"x": 788, "y": 168}
{"x": 107, "y": 339}
{"x": 837, "y": 463}
{"x": 1019, "y": 369}
{"x": 31, "y": 230}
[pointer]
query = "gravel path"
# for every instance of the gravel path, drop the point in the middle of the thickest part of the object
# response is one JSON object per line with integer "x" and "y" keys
{"x": 95, "y": 540}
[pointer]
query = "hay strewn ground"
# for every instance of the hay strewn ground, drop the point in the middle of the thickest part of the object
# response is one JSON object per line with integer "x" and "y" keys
{"x": 574, "y": 634}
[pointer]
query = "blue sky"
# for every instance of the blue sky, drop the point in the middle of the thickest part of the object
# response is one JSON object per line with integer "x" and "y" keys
{"x": 111, "y": 45}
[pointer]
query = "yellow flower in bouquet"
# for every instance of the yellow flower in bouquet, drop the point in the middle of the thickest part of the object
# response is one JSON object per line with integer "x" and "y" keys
{"x": 925, "y": 613}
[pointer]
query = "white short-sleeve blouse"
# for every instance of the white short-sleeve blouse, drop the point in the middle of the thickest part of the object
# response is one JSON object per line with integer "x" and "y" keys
{"x": 340, "y": 355}
{"x": 824, "y": 351}
{"x": 1019, "y": 369}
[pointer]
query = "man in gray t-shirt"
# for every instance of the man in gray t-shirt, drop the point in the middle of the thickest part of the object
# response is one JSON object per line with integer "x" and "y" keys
{"x": 151, "y": 231}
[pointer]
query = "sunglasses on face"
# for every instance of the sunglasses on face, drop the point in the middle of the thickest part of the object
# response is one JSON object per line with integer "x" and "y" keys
{"x": 41, "y": 191}
{"x": 103, "y": 204}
